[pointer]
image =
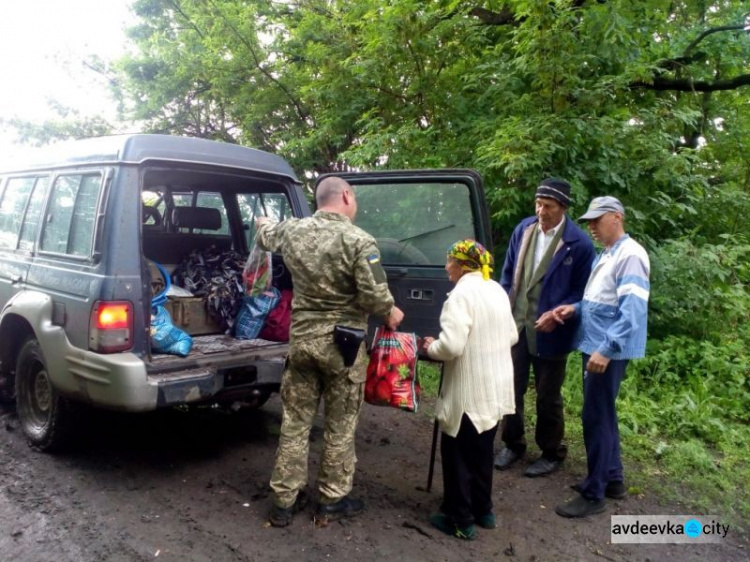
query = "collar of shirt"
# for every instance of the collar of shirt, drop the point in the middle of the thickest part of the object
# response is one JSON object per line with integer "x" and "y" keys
{"x": 604, "y": 255}
{"x": 552, "y": 231}
{"x": 465, "y": 277}
{"x": 331, "y": 216}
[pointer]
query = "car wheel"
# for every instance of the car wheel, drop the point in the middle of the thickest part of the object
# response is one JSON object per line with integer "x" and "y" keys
{"x": 45, "y": 417}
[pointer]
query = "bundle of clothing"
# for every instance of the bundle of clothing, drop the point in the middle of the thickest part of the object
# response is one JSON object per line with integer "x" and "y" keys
{"x": 217, "y": 276}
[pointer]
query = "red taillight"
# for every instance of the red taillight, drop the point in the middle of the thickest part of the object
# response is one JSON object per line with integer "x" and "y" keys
{"x": 113, "y": 316}
{"x": 111, "y": 326}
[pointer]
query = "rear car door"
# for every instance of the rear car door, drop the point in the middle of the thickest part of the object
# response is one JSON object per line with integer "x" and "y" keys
{"x": 415, "y": 216}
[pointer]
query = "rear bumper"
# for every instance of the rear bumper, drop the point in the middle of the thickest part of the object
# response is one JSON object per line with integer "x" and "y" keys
{"x": 209, "y": 384}
{"x": 124, "y": 381}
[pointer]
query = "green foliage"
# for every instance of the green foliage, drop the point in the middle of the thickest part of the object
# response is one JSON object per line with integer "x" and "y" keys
{"x": 700, "y": 291}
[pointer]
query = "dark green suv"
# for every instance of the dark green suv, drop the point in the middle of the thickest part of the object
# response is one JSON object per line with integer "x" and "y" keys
{"x": 83, "y": 224}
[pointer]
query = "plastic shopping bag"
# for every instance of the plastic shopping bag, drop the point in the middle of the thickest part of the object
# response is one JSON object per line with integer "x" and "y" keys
{"x": 165, "y": 336}
{"x": 257, "y": 276}
{"x": 392, "y": 371}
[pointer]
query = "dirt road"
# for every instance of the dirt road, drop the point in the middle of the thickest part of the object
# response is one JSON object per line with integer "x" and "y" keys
{"x": 193, "y": 486}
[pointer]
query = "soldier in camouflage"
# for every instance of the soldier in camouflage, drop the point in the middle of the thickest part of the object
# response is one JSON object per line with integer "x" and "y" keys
{"x": 338, "y": 280}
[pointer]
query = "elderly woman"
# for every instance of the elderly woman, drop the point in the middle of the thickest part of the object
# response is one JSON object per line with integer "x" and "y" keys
{"x": 476, "y": 333}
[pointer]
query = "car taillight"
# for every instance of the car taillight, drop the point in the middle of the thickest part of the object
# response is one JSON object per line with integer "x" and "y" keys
{"x": 111, "y": 326}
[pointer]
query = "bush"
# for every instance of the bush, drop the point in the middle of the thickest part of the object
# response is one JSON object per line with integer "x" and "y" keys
{"x": 700, "y": 291}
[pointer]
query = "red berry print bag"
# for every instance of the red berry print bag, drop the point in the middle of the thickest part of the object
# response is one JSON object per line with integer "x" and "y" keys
{"x": 392, "y": 371}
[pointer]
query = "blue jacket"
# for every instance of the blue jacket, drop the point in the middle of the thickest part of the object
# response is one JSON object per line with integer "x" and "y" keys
{"x": 563, "y": 283}
{"x": 614, "y": 310}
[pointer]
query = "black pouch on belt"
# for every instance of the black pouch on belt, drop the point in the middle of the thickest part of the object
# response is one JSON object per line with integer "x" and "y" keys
{"x": 348, "y": 341}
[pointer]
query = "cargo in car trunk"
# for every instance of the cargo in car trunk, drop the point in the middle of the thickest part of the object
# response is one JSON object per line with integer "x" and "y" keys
{"x": 191, "y": 314}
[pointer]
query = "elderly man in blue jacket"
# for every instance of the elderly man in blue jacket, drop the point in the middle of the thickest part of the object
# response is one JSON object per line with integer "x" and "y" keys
{"x": 547, "y": 264}
{"x": 612, "y": 330}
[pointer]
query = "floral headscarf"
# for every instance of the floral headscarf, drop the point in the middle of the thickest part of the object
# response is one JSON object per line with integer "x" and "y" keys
{"x": 472, "y": 256}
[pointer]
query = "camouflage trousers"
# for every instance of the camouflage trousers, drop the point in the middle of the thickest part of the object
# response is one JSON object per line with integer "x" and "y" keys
{"x": 316, "y": 370}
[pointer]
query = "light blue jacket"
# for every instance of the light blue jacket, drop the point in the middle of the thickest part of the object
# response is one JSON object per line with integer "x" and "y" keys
{"x": 614, "y": 309}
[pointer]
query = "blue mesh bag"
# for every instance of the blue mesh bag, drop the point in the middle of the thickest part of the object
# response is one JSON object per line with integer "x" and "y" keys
{"x": 253, "y": 313}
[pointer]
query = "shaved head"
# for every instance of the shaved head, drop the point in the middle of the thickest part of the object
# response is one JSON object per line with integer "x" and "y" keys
{"x": 329, "y": 189}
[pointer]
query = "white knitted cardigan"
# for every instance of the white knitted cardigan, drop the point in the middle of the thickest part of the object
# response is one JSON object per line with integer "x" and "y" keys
{"x": 477, "y": 331}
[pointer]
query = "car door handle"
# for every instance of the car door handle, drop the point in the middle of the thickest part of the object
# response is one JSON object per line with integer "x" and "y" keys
{"x": 398, "y": 272}
{"x": 419, "y": 295}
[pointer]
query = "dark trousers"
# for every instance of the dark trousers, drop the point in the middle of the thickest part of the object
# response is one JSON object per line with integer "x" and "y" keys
{"x": 467, "y": 473}
{"x": 601, "y": 435}
{"x": 549, "y": 375}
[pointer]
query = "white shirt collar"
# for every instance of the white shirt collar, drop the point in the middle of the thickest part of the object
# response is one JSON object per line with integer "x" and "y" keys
{"x": 552, "y": 231}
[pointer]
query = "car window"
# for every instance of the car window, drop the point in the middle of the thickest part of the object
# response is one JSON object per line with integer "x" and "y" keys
{"x": 415, "y": 223}
{"x": 12, "y": 206}
{"x": 153, "y": 208}
{"x": 252, "y": 205}
{"x": 203, "y": 199}
{"x": 214, "y": 201}
{"x": 33, "y": 212}
{"x": 71, "y": 215}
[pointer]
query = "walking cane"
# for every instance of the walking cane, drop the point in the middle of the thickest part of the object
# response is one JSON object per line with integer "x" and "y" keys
{"x": 434, "y": 438}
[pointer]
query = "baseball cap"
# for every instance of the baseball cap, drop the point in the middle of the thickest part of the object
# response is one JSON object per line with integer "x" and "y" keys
{"x": 601, "y": 205}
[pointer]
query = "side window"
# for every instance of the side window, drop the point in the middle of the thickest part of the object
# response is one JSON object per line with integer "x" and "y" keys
{"x": 415, "y": 223}
{"x": 12, "y": 206}
{"x": 33, "y": 212}
{"x": 71, "y": 215}
{"x": 153, "y": 208}
{"x": 182, "y": 199}
{"x": 252, "y": 205}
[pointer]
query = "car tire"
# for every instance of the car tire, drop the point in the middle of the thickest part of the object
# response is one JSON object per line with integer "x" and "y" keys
{"x": 46, "y": 418}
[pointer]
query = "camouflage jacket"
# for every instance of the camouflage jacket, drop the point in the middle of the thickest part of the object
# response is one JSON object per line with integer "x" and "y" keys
{"x": 336, "y": 271}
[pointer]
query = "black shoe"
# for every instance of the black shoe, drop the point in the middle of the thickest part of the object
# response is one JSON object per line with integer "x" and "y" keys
{"x": 542, "y": 467}
{"x": 345, "y": 507}
{"x": 505, "y": 459}
{"x": 282, "y": 516}
{"x": 580, "y": 507}
{"x": 615, "y": 490}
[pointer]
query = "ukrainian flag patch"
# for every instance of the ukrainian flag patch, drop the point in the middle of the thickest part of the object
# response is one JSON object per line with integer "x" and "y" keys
{"x": 372, "y": 259}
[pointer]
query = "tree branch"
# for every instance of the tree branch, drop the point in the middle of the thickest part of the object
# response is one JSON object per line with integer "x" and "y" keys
{"x": 301, "y": 113}
{"x": 688, "y": 85}
{"x": 708, "y": 32}
{"x": 504, "y": 17}
{"x": 180, "y": 11}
